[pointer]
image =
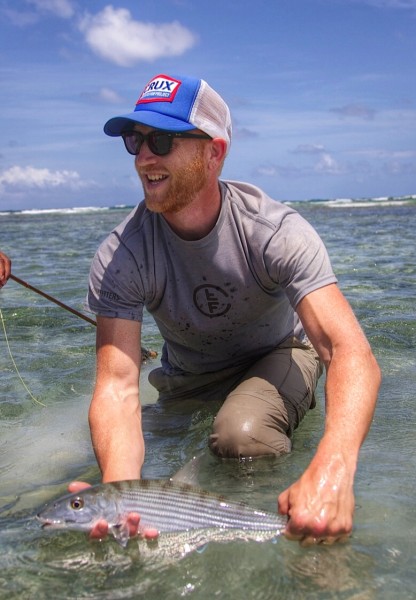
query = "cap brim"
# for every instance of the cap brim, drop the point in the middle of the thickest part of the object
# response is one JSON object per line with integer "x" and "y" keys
{"x": 117, "y": 125}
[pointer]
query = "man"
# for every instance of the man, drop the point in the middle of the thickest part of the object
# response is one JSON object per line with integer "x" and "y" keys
{"x": 5, "y": 268}
{"x": 244, "y": 296}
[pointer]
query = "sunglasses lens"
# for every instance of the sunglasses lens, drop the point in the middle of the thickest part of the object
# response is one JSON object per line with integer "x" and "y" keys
{"x": 160, "y": 143}
{"x": 133, "y": 142}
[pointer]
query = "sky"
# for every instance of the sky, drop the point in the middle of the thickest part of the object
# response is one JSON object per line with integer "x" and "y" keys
{"x": 322, "y": 93}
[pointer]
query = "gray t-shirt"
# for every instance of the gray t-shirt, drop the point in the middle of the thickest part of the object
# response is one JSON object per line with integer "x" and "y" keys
{"x": 221, "y": 300}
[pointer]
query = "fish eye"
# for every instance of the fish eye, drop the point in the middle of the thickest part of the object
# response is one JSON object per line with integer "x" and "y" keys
{"x": 77, "y": 503}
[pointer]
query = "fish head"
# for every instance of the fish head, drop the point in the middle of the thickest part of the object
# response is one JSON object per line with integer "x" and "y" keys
{"x": 77, "y": 511}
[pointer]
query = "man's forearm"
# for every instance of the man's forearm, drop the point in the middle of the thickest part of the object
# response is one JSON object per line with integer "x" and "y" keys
{"x": 352, "y": 384}
{"x": 117, "y": 438}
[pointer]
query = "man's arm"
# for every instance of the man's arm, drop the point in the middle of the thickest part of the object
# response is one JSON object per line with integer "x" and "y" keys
{"x": 115, "y": 412}
{"x": 320, "y": 505}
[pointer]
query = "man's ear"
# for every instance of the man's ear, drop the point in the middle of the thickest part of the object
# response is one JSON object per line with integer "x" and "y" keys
{"x": 217, "y": 152}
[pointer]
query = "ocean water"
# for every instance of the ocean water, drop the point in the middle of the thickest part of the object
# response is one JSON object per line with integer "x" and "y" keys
{"x": 47, "y": 374}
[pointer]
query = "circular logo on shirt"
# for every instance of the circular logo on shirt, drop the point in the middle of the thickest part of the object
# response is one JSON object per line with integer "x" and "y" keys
{"x": 211, "y": 300}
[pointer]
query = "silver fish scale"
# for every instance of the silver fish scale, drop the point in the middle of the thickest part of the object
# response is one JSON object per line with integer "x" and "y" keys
{"x": 175, "y": 507}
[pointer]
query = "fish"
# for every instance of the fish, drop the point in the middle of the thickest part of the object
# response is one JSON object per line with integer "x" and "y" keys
{"x": 188, "y": 515}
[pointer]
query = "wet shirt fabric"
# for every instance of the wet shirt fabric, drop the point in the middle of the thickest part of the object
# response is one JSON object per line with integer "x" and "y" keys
{"x": 221, "y": 300}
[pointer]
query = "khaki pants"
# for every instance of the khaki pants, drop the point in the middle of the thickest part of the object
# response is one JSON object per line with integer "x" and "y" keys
{"x": 262, "y": 403}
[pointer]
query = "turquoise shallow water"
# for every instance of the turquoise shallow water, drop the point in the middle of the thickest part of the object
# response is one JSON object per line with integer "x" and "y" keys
{"x": 43, "y": 447}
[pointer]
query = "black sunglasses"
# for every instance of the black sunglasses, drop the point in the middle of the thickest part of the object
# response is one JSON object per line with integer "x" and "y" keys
{"x": 159, "y": 142}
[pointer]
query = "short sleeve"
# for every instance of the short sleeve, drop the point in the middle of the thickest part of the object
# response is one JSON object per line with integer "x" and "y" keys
{"x": 297, "y": 259}
{"x": 115, "y": 288}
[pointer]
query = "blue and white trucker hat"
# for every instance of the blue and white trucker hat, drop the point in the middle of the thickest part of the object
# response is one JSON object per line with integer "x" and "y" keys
{"x": 177, "y": 104}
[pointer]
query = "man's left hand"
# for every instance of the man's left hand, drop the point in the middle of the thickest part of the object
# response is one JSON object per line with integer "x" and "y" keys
{"x": 320, "y": 505}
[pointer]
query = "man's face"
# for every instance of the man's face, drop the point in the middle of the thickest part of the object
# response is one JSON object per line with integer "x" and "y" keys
{"x": 171, "y": 182}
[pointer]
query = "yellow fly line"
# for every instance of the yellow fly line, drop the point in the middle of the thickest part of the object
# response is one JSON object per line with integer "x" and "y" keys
{"x": 15, "y": 365}
{"x": 145, "y": 352}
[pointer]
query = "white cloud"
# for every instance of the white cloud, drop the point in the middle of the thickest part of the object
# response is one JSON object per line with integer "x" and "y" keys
{"x": 287, "y": 171}
{"x": 104, "y": 95}
{"x": 309, "y": 149}
{"x": 357, "y": 111}
{"x": 376, "y": 153}
{"x": 110, "y": 96}
{"x": 60, "y": 8}
{"x": 397, "y": 167}
{"x": 20, "y": 18}
{"x": 409, "y": 4}
{"x": 114, "y": 35}
{"x": 266, "y": 170}
{"x": 328, "y": 165}
{"x": 18, "y": 178}
{"x": 243, "y": 133}
{"x": 385, "y": 4}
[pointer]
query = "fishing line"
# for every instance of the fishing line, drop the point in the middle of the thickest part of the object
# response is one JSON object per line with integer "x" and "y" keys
{"x": 145, "y": 352}
{"x": 51, "y": 299}
{"x": 15, "y": 365}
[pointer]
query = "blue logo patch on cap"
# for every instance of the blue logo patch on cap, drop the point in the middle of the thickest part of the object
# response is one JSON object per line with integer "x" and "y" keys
{"x": 160, "y": 89}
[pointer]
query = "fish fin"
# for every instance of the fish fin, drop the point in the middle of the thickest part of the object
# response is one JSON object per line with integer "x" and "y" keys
{"x": 189, "y": 473}
{"x": 121, "y": 533}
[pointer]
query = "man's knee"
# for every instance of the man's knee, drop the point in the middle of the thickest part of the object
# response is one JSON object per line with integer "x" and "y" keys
{"x": 241, "y": 436}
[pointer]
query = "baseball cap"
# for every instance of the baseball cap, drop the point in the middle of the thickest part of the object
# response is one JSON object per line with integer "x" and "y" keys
{"x": 177, "y": 104}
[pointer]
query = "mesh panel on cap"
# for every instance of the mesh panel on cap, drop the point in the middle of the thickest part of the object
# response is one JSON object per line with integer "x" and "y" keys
{"x": 211, "y": 114}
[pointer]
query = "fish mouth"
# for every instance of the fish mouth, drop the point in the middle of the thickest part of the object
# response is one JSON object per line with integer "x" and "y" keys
{"x": 55, "y": 524}
{"x": 45, "y": 523}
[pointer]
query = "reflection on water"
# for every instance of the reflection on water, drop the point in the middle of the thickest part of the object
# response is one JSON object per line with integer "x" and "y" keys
{"x": 42, "y": 448}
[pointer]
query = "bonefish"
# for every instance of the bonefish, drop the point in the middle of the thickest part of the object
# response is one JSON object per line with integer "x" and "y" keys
{"x": 171, "y": 508}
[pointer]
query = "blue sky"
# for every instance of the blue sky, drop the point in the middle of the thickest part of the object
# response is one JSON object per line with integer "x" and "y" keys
{"x": 322, "y": 93}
